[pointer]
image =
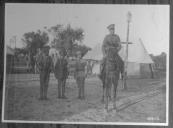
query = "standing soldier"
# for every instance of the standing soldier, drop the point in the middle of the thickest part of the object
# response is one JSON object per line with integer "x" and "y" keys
{"x": 35, "y": 58}
{"x": 44, "y": 65}
{"x": 61, "y": 73}
{"x": 27, "y": 59}
{"x": 80, "y": 74}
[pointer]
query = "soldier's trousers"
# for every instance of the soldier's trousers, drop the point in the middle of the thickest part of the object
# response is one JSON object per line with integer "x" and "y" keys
{"x": 81, "y": 83}
{"x": 44, "y": 81}
{"x": 61, "y": 88}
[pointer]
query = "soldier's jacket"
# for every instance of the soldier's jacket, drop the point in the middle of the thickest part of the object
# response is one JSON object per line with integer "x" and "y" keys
{"x": 60, "y": 69}
{"x": 44, "y": 62}
{"x": 80, "y": 67}
{"x": 111, "y": 41}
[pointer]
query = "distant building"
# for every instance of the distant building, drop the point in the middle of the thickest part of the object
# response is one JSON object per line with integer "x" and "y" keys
{"x": 10, "y": 54}
{"x": 159, "y": 61}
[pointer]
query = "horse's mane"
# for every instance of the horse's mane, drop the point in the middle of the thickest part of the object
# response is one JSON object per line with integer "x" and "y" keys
{"x": 111, "y": 54}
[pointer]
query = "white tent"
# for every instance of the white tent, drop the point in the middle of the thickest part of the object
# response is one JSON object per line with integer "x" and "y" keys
{"x": 138, "y": 58}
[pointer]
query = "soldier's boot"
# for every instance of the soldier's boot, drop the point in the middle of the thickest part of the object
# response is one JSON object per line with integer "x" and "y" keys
{"x": 103, "y": 96}
{"x": 59, "y": 89}
{"x": 107, "y": 99}
{"x": 41, "y": 95}
{"x": 41, "y": 92}
{"x": 114, "y": 104}
{"x": 63, "y": 92}
{"x": 41, "y": 87}
{"x": 106, "y": 104}
{"x": 115, "y": 83}
{"x": 45, "y": 94}
{"x": 82, "y": 90}
{"x": 44, "y": 91}
{"x": 79, "y": 92}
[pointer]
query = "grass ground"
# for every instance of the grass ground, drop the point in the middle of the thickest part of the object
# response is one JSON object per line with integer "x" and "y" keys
{"x": 22, "y": 92}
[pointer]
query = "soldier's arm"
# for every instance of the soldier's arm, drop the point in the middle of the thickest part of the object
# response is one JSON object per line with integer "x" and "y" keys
{"x": 119, "y": 43}
{"x": 51, "y": 64}
{"x": 104, "y": 46}
{"x": 85, "y": 68}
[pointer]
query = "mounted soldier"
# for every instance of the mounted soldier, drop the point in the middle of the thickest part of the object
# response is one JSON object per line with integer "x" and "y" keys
{"x": 110, "y": 66}
{"x": 80, "y": 75}
{"x": 111, "y": 41}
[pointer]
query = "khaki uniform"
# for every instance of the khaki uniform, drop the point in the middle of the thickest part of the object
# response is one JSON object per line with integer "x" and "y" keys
{"x": 111, "y": 41}
{"x": 61, "y": 74}
{"x": 80, "y": 77}
{"x": 45, "y": 65}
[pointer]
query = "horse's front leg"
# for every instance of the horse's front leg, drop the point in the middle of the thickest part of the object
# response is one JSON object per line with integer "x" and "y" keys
{"x": 115, "y": 84}
{"x": 103, "y": 95}
{"x": 107, "y": 85}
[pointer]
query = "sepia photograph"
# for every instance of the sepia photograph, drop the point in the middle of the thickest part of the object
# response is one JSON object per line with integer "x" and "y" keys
{"x": 86, "y": 64}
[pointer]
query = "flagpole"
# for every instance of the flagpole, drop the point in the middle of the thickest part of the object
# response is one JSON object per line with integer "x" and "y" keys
{"x": 129, "y": 15}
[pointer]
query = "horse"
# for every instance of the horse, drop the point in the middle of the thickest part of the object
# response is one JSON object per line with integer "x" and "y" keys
{"x": 110, "y": 69}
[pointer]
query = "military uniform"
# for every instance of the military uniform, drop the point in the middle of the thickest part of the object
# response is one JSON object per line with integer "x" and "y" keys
{"x": 80, "y": 77}
{"x": 61, "y": 74}
{"x": 111, "y": 42}
{"x": 44, "y": 65}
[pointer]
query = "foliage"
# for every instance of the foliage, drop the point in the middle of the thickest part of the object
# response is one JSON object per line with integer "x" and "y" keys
{"x": 34, "y": 40}
{"x": 66, "y": 37}
{"x": 83, "y": 48}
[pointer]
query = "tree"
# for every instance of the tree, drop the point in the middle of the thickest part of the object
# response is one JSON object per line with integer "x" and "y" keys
{"x": 83, "y": 48}
{"x": 35, "y": 40}
{"x": 66, "y": 37}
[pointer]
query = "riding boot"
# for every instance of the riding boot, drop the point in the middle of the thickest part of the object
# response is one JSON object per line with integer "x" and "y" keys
{"x": 46, "y": 88}
{"x": 107, "y": 99}
{"x": 59, "y": 89}
{"x": 79, "y": 88}
{"x": 82, "y": 88}
{"x": 63, "y": 91}
{"x": 79, "y": 96}
{"x": 41, "y": 86}
{"x": 102, "y": 100}
{"x": 115, "y": 83}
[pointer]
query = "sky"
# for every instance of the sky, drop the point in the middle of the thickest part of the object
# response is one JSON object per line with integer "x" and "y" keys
{"x": 149, "y": 22}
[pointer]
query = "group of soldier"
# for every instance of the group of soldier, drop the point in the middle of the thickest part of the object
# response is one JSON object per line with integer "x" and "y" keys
{"x": 60, "y": 68}
{"x": 46, "y": 64}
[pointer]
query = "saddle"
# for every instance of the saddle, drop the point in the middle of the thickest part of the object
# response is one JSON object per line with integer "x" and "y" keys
{"x": 110, "y": 66}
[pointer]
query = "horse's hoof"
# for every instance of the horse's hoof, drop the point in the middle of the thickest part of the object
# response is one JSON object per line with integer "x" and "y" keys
{"x": 40, "y": 98}
{"x": 46, "y": 98}
{"x": 82, "y": 98}
{"x": 105, "y": 111}
{"x": 115, "y": 108}
{"x": 64, "y": 97}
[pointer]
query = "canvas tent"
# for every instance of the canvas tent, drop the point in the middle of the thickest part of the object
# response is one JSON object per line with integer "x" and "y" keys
{"x": 138, "y": 59}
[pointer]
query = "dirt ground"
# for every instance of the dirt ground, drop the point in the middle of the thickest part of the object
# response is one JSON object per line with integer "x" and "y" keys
{"x": 22, "y": 92}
